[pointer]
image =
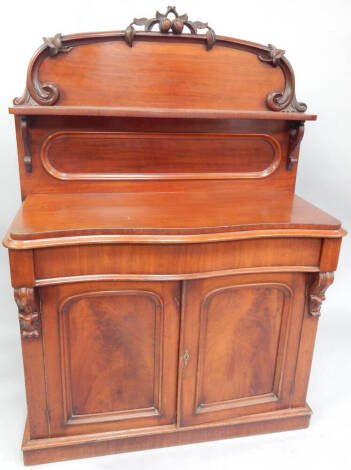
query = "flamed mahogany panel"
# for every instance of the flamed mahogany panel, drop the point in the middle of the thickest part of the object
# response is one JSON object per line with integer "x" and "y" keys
{"x": 111, "y": 354}
{"x": 241, "y": 333}
{"x": 115, "y": 156}
{"x": 234, "y": 321}
{"x": 112, "y": 342}
{"x": 168, "y": 280}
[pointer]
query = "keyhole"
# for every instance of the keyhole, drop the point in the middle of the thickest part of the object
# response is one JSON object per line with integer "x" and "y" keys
{"x": 186, "y": 357}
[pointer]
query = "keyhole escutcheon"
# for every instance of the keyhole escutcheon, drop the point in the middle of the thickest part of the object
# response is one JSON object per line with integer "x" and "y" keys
{"x": 186, "y": 357}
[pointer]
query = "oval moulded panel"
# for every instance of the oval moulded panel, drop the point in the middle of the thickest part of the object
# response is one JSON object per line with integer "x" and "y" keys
{"x": 81, "y": 155}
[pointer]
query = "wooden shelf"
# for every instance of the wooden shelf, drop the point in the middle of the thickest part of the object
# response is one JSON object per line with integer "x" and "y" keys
{"x": 183, "y": 113}
{"x": 60, "y": 219}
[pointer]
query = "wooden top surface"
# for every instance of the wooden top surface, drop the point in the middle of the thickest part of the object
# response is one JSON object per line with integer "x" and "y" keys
{"x": 59, "y": 219}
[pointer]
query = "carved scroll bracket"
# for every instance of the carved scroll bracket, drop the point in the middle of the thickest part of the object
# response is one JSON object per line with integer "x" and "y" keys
{"x": 317, "y": 292}
{"x": 38, "y": 92}
{"x": 282, "y": 100}
{"x": 295, "y": 137}
{"x": 166, "y": 24}
{"x": 28, "y": 312}
{"x": 26, "y": 147}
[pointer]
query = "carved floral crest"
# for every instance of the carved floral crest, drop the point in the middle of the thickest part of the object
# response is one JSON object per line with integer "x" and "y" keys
{"x": 167, "y": 24}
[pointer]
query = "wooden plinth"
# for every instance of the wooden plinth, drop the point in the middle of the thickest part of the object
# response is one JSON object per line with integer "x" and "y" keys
{"x": 90, "y": 445}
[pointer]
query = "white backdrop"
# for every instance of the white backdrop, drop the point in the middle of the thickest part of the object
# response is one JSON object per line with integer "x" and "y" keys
{"x": 317, "y": 37}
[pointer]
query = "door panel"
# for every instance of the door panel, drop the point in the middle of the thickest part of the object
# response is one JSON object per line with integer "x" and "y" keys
{"x": 241, "y": 335}
{"x": 117, "y": 366}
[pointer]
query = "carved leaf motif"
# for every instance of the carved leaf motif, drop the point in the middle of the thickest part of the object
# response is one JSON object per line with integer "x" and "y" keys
{"x": 211, "y": 38}
{"x": 129, "y": 35}
{"x": 166, "y": 23}
{"x": 140, "y": 21}
{"x": 276, "y": 53}
{"x": 273, "y": 55}
{"x": 55, "y": 45}
{"x": 199, "y": 25}
{"x": 160, "y": 15}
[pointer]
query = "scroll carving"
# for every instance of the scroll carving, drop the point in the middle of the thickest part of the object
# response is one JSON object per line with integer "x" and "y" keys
{"x": 28, "y": 312}
{"x": 37, "y": 92}
{"x": 167, "y": 24}
{"x": 296, "y": 134}
{"x": 317, "y": 292}
{"x": 282, "y": 100}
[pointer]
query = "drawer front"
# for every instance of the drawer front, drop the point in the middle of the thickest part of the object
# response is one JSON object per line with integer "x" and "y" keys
{"x": 177, "y": 261}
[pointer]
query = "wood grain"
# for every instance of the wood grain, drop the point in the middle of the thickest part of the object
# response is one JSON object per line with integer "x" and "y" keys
{"x": 165, "y": 113}
{"x": 52, "y": 216}
{"x": 111, "y": 363}
{"x": 118, "y": 156}
{"x": 73, "y": 447}
{"x": 181, "y": 259}
{"x": 235, "y": 334}
{"x": 167, "y": 65}
{"x": 166, "y": 274}
{"x": 41, "y": 128}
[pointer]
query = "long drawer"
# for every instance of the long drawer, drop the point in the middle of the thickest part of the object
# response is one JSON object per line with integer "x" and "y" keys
{"x": 176, "y": 260}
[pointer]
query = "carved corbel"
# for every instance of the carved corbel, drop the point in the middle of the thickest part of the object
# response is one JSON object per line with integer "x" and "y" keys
{"x": 25, "y": 139}
{"x": 317, "y": 292}
{"x": 28, "y": 312}
{"x": 295, "y": 137}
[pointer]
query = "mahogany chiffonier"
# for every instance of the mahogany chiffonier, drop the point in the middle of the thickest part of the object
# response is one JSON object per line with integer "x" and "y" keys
{"x": 168, "y": 280}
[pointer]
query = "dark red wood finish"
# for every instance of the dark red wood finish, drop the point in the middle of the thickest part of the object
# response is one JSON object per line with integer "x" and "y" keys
{"x": 167, "y": 278}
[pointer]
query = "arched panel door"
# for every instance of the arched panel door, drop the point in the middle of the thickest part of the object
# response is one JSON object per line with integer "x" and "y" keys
{"x": 239, "y": 345}
{"x": 118, "y": 344}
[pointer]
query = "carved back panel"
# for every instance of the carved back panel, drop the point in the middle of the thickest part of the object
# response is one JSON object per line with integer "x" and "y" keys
{"x": 158, "y": 73}
{"x": 165, "y": 69}
{"x": 133, "y": 73}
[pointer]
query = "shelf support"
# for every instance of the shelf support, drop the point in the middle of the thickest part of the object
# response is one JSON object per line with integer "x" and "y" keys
{"x": 297, "y": 131}
{"x": 25, "y": 139}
